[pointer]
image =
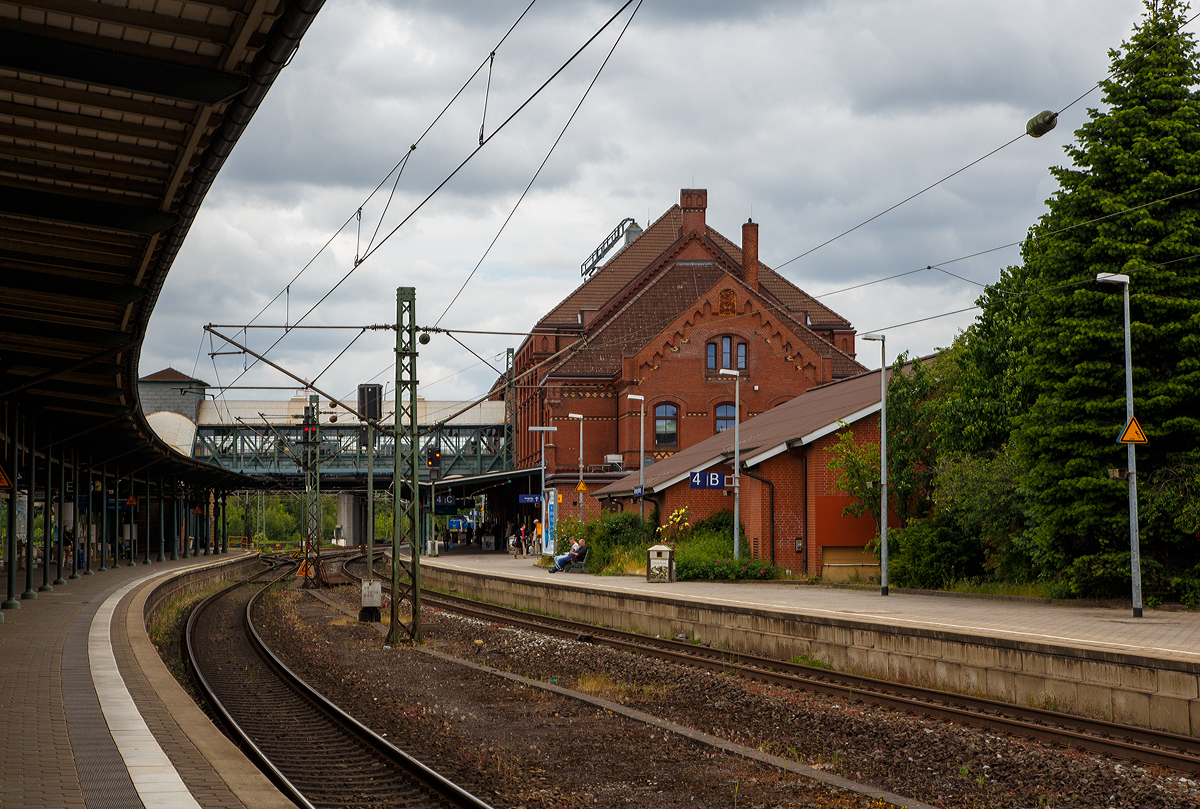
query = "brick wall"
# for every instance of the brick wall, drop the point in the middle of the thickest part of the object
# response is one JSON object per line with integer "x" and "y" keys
{"x": 807, "y": 520}
{"x": 165, "y": 396}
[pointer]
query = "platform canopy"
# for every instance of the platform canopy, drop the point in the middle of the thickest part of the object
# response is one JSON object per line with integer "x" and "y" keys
{"x": 114, "y": 121}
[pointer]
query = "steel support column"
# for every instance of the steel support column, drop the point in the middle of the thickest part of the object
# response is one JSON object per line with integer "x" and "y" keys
{"x": 31, "y": 485}
{"x": 146, "y": 538}
{"x": 47, "y": 512}
{"x": 104, "y": 517}
{"x": 75, "y": 484}
{"x": 62, "y": 522}
{"x": 91, "y": 514}
{"x": 405, "y": 469}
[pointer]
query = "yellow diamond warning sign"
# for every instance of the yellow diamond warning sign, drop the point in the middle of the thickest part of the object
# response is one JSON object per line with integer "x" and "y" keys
{"x": 582, "y": 487}
{"x": 1132, "y": 434}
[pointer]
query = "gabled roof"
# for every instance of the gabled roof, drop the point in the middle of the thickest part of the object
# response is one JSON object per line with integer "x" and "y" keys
{"x": 660, "y": 302}
{"x": 169, "y": 374}
{"x": 633, "y": 259}
{"x": 622, "y": 268}
{"x": 790, "y": 295}
{"x": 794, "y": 423}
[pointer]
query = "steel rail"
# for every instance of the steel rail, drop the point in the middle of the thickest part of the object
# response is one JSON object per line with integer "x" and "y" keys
{"x": 443, "y": 790}
{"x": 243, "y": 738}
{"x": 446, "y": 789}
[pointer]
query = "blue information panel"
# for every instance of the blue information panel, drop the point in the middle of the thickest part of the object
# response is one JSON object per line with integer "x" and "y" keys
{"x": 548, "y": 528}
{"x": 529, "y": 498}
{"x": 445, "y": 504}
{"x": 638, "y": 491}
{"x": 706, "y": 480}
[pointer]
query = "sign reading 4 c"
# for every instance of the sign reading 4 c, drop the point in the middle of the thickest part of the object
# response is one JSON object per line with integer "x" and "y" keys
{"x": 706, "y": 480}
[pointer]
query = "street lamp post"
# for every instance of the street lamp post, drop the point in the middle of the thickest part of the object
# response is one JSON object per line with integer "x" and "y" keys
{"x": 579, "y": 488}
{"x": 641, "y": 452}
{"x": 543, "y": 431}
{"x": 883, "y": 469}
{"x": 737, "y": 456}
{"x": 1135, "y": 560}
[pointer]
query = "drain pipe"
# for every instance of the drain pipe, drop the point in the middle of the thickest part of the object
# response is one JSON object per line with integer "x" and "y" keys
{"x": 801, "y": 452}
{"x": 771, "y": 506}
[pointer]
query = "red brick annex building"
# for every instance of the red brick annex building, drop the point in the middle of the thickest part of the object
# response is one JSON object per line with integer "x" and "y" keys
{"x": 676, "y": 305}
{"x": 789, "y": 507}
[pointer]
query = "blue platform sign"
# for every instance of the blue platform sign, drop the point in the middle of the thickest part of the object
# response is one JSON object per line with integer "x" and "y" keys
{"x": 638, "y": 491}
{"x": 445, "y": 504}
{"x": 706, "y": 480}
{"x": 529, "y": 498}
{"x": 548, "y": 528}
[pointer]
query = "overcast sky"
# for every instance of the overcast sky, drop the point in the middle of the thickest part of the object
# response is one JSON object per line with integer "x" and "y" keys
{"x": 810, "y": 116}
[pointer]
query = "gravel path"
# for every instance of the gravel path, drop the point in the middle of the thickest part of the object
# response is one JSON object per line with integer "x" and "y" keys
{"x": 517, "y": 746}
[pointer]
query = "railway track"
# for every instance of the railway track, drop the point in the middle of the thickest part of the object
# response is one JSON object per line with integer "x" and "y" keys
{"x": 1180, "y": 753}
{"x": 317, "y": 754}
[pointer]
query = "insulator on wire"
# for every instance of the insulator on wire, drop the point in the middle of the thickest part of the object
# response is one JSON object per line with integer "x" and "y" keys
{"x": 1041, "y": 123}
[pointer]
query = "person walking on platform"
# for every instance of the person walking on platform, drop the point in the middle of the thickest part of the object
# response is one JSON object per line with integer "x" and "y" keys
{"x": 519, "y": 542}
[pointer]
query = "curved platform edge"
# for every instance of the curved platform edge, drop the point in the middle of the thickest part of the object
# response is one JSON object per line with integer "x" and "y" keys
{"x": 240, "y": 775}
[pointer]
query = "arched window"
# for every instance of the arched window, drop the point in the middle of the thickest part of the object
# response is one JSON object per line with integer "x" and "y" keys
{"x": 666, "y": 424}
{"x": 726, "y": 417}
{"x": 724, "y": 352}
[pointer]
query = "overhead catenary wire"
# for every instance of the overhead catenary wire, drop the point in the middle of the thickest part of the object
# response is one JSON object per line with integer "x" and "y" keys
{"x": 455, "y": 172}
{"x": 1140, "y": 55}
{"x": 400, "y": 162}
{"x": 545, "y": 159}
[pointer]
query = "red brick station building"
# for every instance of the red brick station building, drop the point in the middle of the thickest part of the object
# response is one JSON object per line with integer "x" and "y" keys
{"x": 676, "y": 305}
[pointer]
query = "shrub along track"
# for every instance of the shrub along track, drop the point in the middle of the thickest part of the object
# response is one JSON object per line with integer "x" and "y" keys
{"x": 316, "y": 753}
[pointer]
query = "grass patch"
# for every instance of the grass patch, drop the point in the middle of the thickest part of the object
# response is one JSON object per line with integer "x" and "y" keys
{"x": 1002, "y": 588}
{"x": 599, "y": 684}
{"x": 814, "y": 662}
{"x": 167, "y": 625}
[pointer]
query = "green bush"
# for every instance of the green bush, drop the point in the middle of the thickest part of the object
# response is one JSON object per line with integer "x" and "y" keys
{"x": 606, "y": 537}
{"x": 708, "y": 555}
{"x": 929, "y": 555}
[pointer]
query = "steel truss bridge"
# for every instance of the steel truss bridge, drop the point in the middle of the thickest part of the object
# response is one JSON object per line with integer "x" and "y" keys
{"x": 273, "y": 452}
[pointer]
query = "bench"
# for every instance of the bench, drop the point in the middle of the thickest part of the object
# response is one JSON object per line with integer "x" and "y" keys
{"x": 579, "y": 565}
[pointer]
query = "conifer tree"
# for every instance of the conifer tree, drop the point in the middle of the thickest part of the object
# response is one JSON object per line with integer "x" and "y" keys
{"x": 1129, "y": 204}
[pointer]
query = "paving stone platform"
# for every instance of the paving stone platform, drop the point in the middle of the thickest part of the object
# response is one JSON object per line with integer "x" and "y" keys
{"x": 89, "y": 715}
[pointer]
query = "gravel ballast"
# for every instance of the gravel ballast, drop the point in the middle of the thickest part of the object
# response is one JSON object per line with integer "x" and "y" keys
{"x": 516, "y": 745}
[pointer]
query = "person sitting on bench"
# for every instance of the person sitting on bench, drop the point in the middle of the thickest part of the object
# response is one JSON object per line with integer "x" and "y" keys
{"x": 576, "y": 555}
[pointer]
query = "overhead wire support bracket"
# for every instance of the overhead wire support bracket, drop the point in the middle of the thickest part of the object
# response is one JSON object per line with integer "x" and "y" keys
{"x": 303, "y": 382}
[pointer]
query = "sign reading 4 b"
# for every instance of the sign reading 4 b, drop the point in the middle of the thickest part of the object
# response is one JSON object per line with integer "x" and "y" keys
{"x": 706, "y": 480}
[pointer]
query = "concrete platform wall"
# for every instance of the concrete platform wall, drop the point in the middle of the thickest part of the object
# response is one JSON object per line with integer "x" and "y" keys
{"x": 1127, "y": 689}
{"x": 195, "y": 579}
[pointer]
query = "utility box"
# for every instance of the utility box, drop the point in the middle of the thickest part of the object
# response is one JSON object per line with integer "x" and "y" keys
{"x": 660, "y": 563}
{"x": 372, "y": 599}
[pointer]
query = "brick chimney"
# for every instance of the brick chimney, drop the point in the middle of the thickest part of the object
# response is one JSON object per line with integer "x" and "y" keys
{"x": 693, "y": 201}
{"x": 750, "y": 254}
